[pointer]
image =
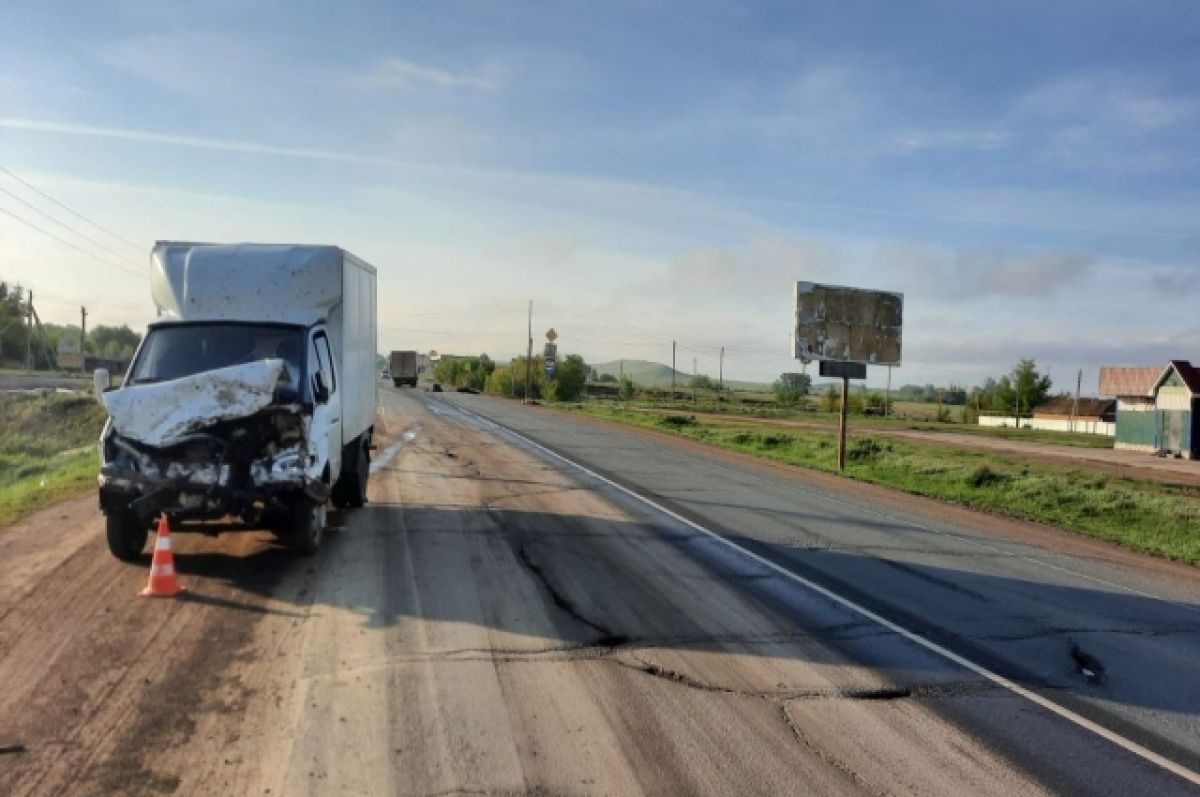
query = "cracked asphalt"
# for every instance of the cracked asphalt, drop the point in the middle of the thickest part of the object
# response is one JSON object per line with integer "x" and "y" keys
{"x": 497, "y": 622}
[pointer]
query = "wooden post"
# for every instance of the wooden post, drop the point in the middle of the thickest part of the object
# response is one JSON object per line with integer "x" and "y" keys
{"x": 29, "y": 334}
{"x": 82, "y": 339}
{"x": 672, "y": 370}
{"x": 529, "y": 355}
{"x": 842, "y": 425}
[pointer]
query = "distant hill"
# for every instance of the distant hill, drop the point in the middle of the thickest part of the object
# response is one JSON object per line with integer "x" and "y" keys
{"x": 642, "y": 372}
{"x": 652, "y": 374}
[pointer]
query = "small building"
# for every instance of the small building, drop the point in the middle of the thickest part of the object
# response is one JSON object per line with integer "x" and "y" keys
{"x": 1086, "y": 415}
{"x": 1158, "y": 409}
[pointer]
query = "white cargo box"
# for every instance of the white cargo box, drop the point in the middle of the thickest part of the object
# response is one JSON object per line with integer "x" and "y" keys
{"x": 285, "y": 283}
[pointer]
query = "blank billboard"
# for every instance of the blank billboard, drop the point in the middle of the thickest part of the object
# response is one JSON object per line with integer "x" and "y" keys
{"x": 847, "y": 324}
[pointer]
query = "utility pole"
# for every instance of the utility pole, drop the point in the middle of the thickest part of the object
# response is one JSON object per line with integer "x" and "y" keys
{"x": 1075, "y": 406}
{"x": 29, "y": 334}
{"x": 721, "y": 374}
{"x": 82, "y": 338}
{"x": 672, "y": 370}
{"x": 529, "y": 354}
{"x": 693, "y": 381}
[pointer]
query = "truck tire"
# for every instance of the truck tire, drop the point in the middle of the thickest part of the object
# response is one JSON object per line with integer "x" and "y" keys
{"x": 126, "y": 535}
{"x": 350, "y": 492}
{"x": 397, "y": 382}
{"x": 305, "y": 526}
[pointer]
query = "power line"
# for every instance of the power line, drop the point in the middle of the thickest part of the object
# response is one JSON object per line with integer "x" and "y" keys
{"x": 73, "y": 212}
{"x": 66, "y": 226}
{"x": 65, "y": 242}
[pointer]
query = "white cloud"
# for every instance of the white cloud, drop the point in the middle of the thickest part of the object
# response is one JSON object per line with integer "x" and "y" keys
{"x": 442, "y": 138}
{"x": 220, "y": 66}
{"x": 1108, "y": 99}
{"x": 756, "y": 274}
{"x": 978, "y": 273}
{"x": 394, "y": 74}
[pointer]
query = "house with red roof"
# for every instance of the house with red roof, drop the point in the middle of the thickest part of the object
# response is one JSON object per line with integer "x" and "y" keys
{"x": 1158, "y": 409}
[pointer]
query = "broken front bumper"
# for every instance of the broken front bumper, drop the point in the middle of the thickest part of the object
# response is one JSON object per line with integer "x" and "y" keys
{"x": 203, "y": 492}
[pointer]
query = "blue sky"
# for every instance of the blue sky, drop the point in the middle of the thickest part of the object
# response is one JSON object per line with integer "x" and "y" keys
{"x": 1025, "y": 172}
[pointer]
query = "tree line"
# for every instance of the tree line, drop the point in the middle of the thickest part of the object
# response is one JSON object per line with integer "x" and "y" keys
{"x": 113, "y": 342}
{"x": 483, "y": 374}
{"x": 1020, "y": 390}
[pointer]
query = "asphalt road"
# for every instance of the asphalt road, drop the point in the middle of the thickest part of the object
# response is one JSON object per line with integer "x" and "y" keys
{"x": 41, "y": 382}
{"x": 498, "y": 621}
{"x": 1109, "y": 638}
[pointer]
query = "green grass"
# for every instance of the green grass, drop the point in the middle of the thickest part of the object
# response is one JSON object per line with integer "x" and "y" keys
{"x": 47, "y": 450}
{"x": 1151, "y": 517}
{"x": 46, "y": 482}
{"x": 919, "y": 419}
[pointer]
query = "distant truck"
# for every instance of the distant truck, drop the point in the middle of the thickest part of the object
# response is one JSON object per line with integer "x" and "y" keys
{"x": 403, "y": 367}
{"x": 252, "y": 396}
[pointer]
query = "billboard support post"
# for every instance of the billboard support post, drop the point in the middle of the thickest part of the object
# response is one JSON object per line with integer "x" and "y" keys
{"x": 844, "y": 371}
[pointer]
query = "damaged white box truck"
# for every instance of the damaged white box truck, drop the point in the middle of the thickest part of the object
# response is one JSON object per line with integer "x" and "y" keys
{"x": 252, "y": 397}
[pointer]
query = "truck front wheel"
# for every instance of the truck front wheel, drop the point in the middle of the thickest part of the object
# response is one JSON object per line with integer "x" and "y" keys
{"x": 305, "y": 526}
{"x": 126, "y": 535}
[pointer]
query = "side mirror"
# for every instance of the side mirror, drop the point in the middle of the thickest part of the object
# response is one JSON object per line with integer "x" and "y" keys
{"x": 101, "y": 382}
{"x": 320, "y": 391}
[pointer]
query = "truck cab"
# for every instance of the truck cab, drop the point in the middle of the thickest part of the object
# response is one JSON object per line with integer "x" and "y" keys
{"x": 260, "y": 417}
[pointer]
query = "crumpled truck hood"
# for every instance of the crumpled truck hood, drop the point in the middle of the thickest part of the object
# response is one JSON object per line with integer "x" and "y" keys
{"x": 161, "y": 414}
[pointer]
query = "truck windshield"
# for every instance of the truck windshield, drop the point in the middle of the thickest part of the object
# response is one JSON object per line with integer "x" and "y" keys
{"x": 179, "y": 351}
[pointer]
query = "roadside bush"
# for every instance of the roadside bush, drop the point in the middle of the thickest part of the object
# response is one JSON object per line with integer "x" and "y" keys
{"x": 791, "y": 388}
{"x": 569, "y": 380}
{"x": 677, "y": 421}
{"x": 983, "y": 476}
{"x": 831, "y": 399}
{"x": 863, "y": 449}
{"x": 970, "y": 415}
{"x": 625, "y": 391}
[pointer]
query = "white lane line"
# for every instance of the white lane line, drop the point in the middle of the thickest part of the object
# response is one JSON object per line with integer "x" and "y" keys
{"x": 1083, "y": 722}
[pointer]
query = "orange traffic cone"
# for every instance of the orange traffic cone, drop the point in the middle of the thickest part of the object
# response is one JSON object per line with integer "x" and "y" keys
{"x": 163, "y": 583}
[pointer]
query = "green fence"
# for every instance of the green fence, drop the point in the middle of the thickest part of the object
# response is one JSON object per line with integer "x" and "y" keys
{"x": 1138, "y": 428}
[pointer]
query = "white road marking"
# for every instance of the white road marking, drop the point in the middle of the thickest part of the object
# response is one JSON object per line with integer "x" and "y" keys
{"x": 1062, "y": 711}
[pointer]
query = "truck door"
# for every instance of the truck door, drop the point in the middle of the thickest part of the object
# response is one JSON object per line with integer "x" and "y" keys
{"x": 327, "y": 415}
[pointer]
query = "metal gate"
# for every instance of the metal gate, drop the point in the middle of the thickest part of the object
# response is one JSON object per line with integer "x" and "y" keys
{"x": 1173, "y": 423}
